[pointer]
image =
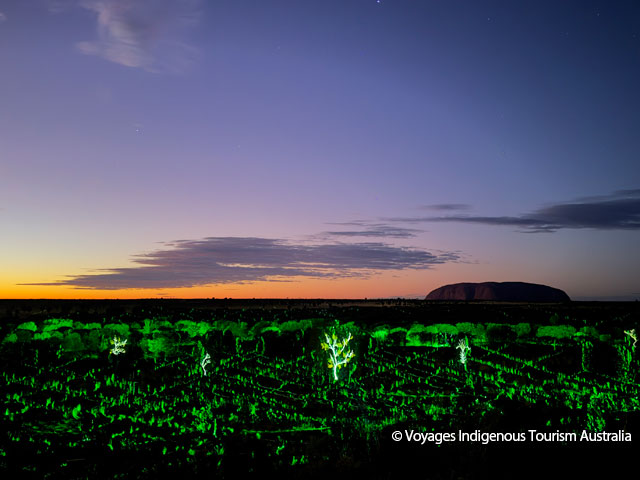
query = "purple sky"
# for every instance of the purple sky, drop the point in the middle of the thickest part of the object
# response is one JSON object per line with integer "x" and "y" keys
{"x": 393, "y": 146}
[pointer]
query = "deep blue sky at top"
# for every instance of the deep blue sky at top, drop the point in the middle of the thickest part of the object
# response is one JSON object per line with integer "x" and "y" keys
{"x": 272, "y": 119}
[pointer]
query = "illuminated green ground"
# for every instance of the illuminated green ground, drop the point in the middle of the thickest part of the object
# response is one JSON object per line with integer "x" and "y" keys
{"x": 269, "y": 403}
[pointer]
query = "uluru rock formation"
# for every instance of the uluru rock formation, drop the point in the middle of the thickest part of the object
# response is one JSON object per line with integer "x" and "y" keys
{"x": 499, "y": 292}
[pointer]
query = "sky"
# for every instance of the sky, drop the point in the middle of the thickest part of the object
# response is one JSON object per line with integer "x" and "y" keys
{"x": 318, "y": 149}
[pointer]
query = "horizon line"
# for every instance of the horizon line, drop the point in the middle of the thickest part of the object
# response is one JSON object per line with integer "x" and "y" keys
{"x": 607, "y": 298}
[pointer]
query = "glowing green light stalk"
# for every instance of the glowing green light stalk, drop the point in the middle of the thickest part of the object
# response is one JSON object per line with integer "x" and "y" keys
{"x": 464, "y": 347}
{"x": 339, "y": 353}
{"x": 632, "y": 334}
{"x": 206, "y": 360}
{"x": 118, "y": 346}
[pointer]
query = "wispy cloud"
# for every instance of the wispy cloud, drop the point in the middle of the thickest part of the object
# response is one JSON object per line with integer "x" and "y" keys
{"x": 143, "y": 33}
{"x": 224, "y": 260}
{"x": 618, "y": 211}
{"x": 447, "y": 206}
{"x": 3, "y": 17}
{"x": 367, "y": 229}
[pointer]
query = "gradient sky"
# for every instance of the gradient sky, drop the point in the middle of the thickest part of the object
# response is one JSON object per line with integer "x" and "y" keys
{"x": 344, "y": 149}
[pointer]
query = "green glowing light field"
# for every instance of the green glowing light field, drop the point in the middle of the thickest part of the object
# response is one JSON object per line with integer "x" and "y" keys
{"x": 76, "y": 405}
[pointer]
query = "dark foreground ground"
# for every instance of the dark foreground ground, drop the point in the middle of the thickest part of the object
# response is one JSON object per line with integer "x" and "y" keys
{"x": 226, "y": 388}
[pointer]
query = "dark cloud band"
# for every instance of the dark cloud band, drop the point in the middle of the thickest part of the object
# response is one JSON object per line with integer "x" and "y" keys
{"x": 367, "y": 229}
{"x": 224, "y": 260}
{"x": 619, "y": 211}
{"x": 447, "y": 206}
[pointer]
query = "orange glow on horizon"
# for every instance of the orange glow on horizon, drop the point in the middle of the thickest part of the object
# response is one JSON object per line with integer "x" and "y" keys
{"x": 384, "y": 285}
{"x": 390, "y": 284}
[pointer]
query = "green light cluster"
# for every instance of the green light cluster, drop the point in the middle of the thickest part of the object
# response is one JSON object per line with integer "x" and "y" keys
{"x": 267, "y": 381}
